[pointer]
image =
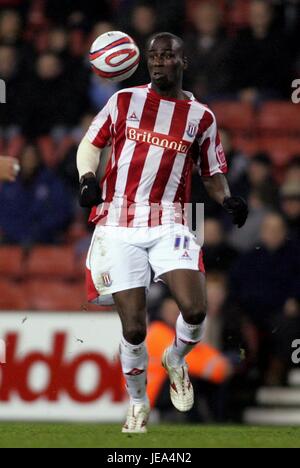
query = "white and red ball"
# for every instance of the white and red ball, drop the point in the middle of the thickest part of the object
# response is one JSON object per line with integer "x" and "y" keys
{"x": 114, "y": 56}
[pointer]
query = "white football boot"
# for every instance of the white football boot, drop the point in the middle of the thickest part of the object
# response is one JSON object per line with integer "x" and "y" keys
{"x": 181, "y": 388}
{"x": 137, "y": 419}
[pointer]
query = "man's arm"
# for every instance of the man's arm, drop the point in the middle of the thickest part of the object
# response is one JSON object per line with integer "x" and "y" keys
{"x": 218, "y": 189}
{"x": 9, "y": 168}
{"x": 88, "y": 157}
{"x": 97, "y": 138}
{"x": 212, "y": 168}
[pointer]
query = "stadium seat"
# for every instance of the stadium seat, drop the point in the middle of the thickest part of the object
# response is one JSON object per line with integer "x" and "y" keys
{"x": 11, "y": 262}
{"x": 236, "y": 116}
{"x": 52, "y": 262}
{"x": 13, "y": 297}
{"x": 279, "y": 118}
{"x": 55, "y": 296}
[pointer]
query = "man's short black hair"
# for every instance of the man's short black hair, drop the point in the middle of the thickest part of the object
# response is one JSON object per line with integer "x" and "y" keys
{"x": 262, "y": 158}
{"x": 167, "y": 35}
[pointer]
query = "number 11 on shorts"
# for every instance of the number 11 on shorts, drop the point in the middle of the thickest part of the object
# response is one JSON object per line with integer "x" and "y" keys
{"x": 178, "y": 242}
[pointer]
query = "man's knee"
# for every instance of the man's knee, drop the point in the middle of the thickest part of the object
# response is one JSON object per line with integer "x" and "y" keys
{"x": 135, "y": 334}
{"x": 194, "y": 312}
{"x": 131, "y": 307}
{"x": 135, "y": 327}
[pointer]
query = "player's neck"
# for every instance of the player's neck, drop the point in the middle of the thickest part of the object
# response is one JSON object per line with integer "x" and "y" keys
{"x": 173, "y": 93}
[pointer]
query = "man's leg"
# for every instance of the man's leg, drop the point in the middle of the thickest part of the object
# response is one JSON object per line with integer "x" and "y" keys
{"x": 131, "y": 306}
{"x": 188, "y": 290}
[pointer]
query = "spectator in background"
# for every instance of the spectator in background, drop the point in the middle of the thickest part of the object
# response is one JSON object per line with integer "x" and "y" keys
{"x": 63, "y": 100}
{"x": 248, "y": 237}
{"x": 206, "y": 364}
{"x": 237, "y": 169}
{"x": 218, "y": 255}
{"x": 37, "y": 208}
{"x": 208, "y": 50}
{"x": 288, "y": 18}
{"x": 200, "y": 195}
{"x": 10, "y": 28}
{"x": 58, "y": 42}
{"x": 59, "y": 11}
{"x": 260, "y": 58}
{"x": 170, "y": 14}
{"x": 290, "y": 206}
{"x": 10, "y": 120}
{"x": 237, "y": 162}
{"x": 143, "y": 23}
{"x": 101, "y": 27}
{"x": 67, "y": 168}
{"x": 217, "y": 291}
{"x": 100, "y": 90}
{"x": 264, "y": 282}
{"x": 293, "y": 170}
{"x": 296, "y": 65}
{"x": 8, "y": 169}
{"x": 12, "y": 34}
{"x": 261, "y": 192}
{"x": 174, "y": 22}
{"x": 260, "y": 177}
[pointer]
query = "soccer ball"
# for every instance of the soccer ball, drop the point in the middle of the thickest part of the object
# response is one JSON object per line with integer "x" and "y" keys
{"x": 114, "y": 56}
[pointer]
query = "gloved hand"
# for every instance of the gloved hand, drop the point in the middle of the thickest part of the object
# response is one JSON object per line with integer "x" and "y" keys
{"x": 90, "y": 193}
{"x": 237, "y": 208}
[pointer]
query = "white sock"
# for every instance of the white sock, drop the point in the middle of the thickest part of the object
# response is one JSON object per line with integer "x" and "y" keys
{"x": 187, "y": 337}
{"x": 134, "y": 360}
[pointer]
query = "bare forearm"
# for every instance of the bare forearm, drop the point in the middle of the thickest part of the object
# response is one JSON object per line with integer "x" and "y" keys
{"x": 217, "y": 187}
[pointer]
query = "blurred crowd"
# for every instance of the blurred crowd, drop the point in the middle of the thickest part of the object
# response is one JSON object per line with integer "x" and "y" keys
{"x": 243, "y": 51}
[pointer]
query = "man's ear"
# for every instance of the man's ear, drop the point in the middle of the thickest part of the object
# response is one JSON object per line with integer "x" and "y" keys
{"x": 185, "y": 63}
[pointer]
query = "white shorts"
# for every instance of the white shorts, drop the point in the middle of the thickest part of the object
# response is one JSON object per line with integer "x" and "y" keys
{"x": 121, "y": 258}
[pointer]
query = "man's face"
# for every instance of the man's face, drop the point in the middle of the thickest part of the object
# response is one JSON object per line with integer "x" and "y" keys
{"x": 7, "y": 62}
{"x": 166, "y": 62}
{"x": 260, "y": 15}
{"x": 273, "y": 232}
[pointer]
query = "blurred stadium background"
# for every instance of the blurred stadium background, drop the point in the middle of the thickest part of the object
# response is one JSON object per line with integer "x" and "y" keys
{"x": 61, "y": 355}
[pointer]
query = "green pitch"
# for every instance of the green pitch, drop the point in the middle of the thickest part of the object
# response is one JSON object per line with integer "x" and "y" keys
{"x": 161, "y": 436}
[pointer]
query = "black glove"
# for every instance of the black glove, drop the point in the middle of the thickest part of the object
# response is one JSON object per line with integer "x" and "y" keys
{"x": 90, "y": 192}
{"x": 237, "y": 207}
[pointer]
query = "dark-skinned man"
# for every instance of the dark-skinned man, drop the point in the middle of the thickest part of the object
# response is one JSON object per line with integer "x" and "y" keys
{"x": 153, "y": 129}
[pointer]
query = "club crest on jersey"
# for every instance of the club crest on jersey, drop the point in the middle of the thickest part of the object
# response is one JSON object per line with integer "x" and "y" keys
{"x": 192, "y": 129}
{"x": 106, "y": 279}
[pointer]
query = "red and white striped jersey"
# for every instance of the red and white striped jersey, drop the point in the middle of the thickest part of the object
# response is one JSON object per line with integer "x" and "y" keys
{"x": 154, "y": 142}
